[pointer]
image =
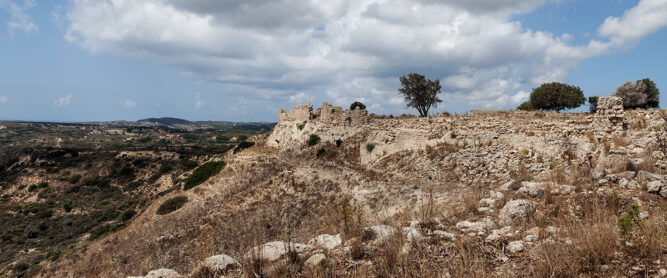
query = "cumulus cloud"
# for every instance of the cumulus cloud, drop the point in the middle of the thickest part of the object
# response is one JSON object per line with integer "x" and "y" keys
{"x": 63, "y": 101}
{"x": 19, "y": 20}
{"x": 3, "y": 99}
{"x": 130, "y": 103}
{"x": 300, "y": 50}
{"x": 644, "y": 19}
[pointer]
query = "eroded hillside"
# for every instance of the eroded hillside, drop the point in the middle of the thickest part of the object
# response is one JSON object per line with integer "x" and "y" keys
{"x": 339, "y": 193}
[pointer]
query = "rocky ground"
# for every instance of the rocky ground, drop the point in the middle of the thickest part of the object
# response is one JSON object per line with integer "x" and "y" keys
{"x": 506, "y": 194}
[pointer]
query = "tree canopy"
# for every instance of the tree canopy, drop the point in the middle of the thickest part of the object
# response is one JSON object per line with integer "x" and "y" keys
{"x": 556, "y": 96}
{"x": 640, "y": 94}
{"x": 420, "y": 93}
{"x": 356, "y": 105}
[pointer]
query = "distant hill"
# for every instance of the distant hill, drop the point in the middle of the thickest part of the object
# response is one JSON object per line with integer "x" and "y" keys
{"x": 166, "y": 121}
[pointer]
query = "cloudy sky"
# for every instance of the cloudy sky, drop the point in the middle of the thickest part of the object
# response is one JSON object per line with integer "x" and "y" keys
{"x": 242, "y": 60}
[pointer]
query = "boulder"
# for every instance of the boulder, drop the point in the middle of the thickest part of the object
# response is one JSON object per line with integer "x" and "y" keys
{"x": 444, "y": 234}
{"x": 499, "y": 235}
{"x": 221, "y": 263}
{"x": 654, "y": 186}
{"x": 628, "y": 184}
{"x": 326, "y": 241}
{"x": 381, "y": 232}
{"x": 163, "y": 273}
{"x": 515, "y": 246}
{"x": 663, "y": 192}
{"x": 315, "y": 260}
{"x": 272, "y": 251}
{"x": 479, "y": 226}
{"x": 516, "y": 210}
{"x": 412, "y": 233}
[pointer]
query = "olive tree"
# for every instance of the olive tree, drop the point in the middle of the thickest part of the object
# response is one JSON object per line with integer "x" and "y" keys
{"x": 556, "y": 96}
{"x": 420, "y": 93}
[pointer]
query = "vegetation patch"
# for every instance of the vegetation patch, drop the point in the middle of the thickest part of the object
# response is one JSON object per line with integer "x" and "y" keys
{"x": 243, "y": 145}
{"x": 313, "y": 140}
{"x": 370, "y": 147}
{"x": 203, "y": 173}
{"x": 172, "y": 205}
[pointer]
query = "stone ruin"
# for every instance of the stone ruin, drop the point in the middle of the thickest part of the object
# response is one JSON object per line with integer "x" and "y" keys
{"x": 609, "y": 115}
{"x": 327, "y": 114}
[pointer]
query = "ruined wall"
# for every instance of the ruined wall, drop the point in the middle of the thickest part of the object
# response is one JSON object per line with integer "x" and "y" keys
{"x": 300, "y": 113}
{"x": 609, "y": 115}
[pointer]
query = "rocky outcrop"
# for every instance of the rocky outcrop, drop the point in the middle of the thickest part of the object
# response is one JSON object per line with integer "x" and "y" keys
{"x": 516, "y": 210}
{"x": 609, "y": 115}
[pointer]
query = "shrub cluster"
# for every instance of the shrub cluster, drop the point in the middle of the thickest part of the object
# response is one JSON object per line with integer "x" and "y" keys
{"x": 203, "y": 173}
{"x": 313, "y": 140}
{"x": 172, "y": 205}
{"x": 554, "y": 96}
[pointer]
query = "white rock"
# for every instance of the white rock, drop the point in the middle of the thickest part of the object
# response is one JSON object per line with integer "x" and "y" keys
{"x": 498, "y": 235}
{"x": 315, "y": 260}
{"x": 444, "y": 234}
{"x": 654, "y": 186}
{"x": 486, "y": 202}
{"x": 382, "y": 232}
{"x": 163, "y": 273}
{"x": 629, "y": 184}
{"x": 412, "y": 233}
{"x": 531, "y": 238}
{"x": 221, "y": 263}
{"x": 643, "y": 215}
{"x": 663, "y": 192}
{"x": 272, "y": 251}
{"x": 516, "y": 210}
{"x": 326, "y": 241}
{"x": 603, "y": 181}
{"x": 662, "y": 272}
{"x": 479, "y": 226}
{"x": 515, "y": 246}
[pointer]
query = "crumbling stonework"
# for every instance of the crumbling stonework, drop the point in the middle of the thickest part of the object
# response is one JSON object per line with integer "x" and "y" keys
{"x": 300, "y": 113}
{"x": 609, "y": 115}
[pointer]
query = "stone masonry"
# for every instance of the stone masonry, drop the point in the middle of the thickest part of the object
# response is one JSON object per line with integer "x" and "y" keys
{"x": 609, "y": 115}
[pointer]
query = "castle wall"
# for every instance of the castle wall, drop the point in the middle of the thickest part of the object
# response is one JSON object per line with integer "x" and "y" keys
{"x": 609, "y": 115}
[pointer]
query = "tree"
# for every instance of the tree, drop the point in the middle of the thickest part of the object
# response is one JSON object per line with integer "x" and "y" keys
{"x": 593, "y": 101}
{"x": 633, "y": 94}
{"x": 556, "y": 96}
{"x": 420, "y": 93}
{"x": 357, "y": 104}
{"x": 652, "y": 93}
{"x": 525, "y": 106}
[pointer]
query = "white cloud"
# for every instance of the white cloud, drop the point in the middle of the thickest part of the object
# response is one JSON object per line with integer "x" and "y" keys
{"x": 3, "y": 99}
{"x": 130, "y": 103}
{"x": 19, "y": 20}
{"x": 647, "y": 17}
{"x": 345, "y": 50}
{"x": 199, "y": 103}
{"x": 63, "y": 101}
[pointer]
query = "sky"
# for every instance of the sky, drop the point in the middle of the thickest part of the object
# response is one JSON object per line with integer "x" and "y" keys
{"x": 243, "y": 60}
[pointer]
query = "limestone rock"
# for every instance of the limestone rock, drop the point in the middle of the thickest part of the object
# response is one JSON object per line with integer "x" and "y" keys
{"x": 654, "y": 186}
{"x": 516, "y": 210}
{"x": 515, "y": 246}
{"x": 326, "y": 241}
{"x": 221, "y": 263}
{"x": 479, "y": 226}
{"x": 272, "y": 251}
{"x": 163, "y": 273}
{"x": 381, "y": 232}
{"x": 444, "y": 234}
{"x": 315, "y": 260}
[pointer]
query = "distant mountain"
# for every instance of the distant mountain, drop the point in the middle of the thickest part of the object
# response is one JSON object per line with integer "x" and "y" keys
{"x": 166, "y": 121}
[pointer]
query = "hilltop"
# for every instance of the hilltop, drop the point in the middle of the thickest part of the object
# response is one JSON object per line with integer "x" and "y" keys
{"x": 334, "y": 192}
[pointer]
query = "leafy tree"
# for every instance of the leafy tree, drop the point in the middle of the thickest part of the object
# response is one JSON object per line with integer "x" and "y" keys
{"x": 356, "y": 105}
{"x": 641, "y": 94}
{"x": 633, "y": 94}
{"x": 652, "y": 93}
{"x": 556, "y": 96}
{"x": 593, "y": 101}
{"x": 525, "y": 106}
{"x": 420, "y": 93}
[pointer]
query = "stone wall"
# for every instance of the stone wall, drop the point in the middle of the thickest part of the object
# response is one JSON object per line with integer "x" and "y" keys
{"x": 609, "y": 115}
{"x": 300, "y": 113}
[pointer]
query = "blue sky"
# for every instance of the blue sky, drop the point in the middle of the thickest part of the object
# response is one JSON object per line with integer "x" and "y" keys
{"x": 224, "y": 60}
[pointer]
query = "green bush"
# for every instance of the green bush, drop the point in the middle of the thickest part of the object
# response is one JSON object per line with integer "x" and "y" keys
{"x": 370, "y": 147}
{"x": 356, "y": 105}
{"x": 32, "y": 188}
{"x": 203, "y": 173}
{"x": 320, "y": 152}
{"x": 525, "y": 106}
{"x": 172, "y": 205}
{"x": 127, "y": 215}
{"x": 556, "y": 96}
{"x": 75, "y": 179}
{"x": 301, "y": 125}
{"x": 629, "y": 218}
{"x": 313, "y": 140}
{"x": 243, "y": 145}
{"x": 339, "y": 142}
{"x": 553, "y": 162}
{"x": 593, "y": 102}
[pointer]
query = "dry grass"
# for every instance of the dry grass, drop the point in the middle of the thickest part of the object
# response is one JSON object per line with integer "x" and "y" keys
{"x": 620, "y": 141}
{"x": 592, "y": 242}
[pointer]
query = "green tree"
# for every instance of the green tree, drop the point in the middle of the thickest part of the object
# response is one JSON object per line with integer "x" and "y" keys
{"x": 557, "y": 96}
{"x": 525, "y": 106}
{"x": 593, "y": 102}
{"x": 652, "y": 93}
{"x": 420, "y": 93}
{"x": 356, "y": 105}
